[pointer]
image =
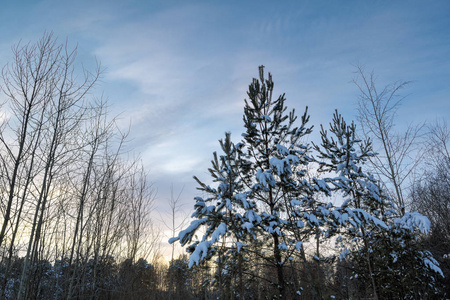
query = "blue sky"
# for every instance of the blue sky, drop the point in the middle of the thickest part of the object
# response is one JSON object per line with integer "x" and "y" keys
{"x": 179, "y": 70}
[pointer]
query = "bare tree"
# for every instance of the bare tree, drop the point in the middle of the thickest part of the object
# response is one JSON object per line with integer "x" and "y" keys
{"x": 431, "y": 191}
{"x": 439, "y": 140}
{"x": 176, "y": 221}
{"x": 97, "y": 133}
{"x": 141, "y": 204}
{"x": 397, "y": 156}
{"x": 25, "y": 88}
{"x": 430, "y": 195}
{"x": 72, "y": 203}
{"x": 49, "y": 69}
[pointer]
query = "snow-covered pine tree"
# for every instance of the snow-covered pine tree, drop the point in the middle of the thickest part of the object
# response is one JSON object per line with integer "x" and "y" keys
{"x": 263, "y": 193}
{"x": 274, "y": 163}
{"x": 402, "y": 266}
{"x": 218, "y": 212}
{"x": 344, "y": 154}
{"x": 376, "y": 236}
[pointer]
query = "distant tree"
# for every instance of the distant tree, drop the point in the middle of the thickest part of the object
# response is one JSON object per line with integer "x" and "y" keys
{"x": 179, "y": 278}
{"x": 430, "y": 195}
{"x": 431, "y": 190}
{"x": 177, "y": 222}
{"x": 140, "y": 205}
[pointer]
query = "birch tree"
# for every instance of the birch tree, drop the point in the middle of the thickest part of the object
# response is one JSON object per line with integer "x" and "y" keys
{"x": 397, "y": 151}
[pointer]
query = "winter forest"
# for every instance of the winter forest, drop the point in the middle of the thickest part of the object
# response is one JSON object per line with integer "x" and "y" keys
{"x": 362, "y": 212}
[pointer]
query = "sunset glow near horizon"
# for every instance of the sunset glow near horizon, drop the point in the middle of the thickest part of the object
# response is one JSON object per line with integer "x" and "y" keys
{"x": 178, "y": 71}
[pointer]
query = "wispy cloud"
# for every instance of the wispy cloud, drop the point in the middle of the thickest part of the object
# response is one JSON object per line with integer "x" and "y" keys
{"x": 180, "y": 71}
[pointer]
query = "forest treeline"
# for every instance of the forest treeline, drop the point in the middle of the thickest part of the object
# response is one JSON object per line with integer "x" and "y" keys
{"x": 77, "y": 209}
